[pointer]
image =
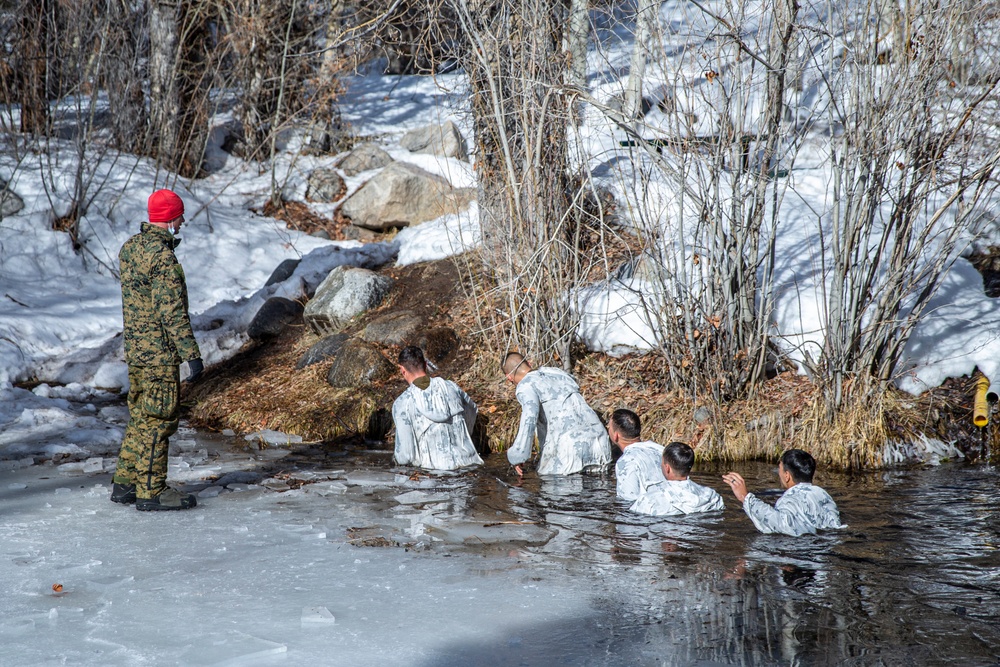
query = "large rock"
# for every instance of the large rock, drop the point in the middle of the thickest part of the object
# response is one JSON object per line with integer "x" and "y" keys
{"x": 393, "y": 328}
{"x": 325, "y": 186}
{"x": 10, "y": 203}
{"x": 364, "y": 157}
{"x": 272, "y": 318}
{"x": 345, "y": 293}
{"x": 402, "y": 195}
{"x": 444, "y": 139}
{"x": 322, "y": 350}
{"x": 359, "y": 364}
{"x": 282, "y": 272}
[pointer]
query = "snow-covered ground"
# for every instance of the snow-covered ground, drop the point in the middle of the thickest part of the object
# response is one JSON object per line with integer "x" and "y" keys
{"x": 60, "y": 319}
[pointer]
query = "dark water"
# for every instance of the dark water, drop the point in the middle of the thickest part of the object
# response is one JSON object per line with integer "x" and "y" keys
{"x": 913, "y": 580}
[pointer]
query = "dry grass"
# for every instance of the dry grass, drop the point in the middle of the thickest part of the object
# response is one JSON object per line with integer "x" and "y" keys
{"x": 264, "y": 390}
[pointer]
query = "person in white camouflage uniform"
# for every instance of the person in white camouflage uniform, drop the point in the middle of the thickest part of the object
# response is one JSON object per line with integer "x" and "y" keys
{"x": 639, "y": 465}
{"x": 677, "y": 494}
{"x": 802, "y": 509}
{"x": 571, "y": 437}
{"x": 434, "y": 419}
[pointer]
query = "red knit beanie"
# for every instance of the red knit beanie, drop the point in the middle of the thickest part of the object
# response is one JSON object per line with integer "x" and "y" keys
{"x": 164, "y": 206}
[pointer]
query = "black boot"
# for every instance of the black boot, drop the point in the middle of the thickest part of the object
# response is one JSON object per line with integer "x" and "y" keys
{"x": 123, "y": 493}
{"x": 168, "y": 499}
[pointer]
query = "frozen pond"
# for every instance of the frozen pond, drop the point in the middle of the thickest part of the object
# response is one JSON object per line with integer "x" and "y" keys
{"x": 339, "y": 559}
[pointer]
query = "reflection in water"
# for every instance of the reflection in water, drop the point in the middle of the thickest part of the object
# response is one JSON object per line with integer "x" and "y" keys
{"x": 913, "y": 580}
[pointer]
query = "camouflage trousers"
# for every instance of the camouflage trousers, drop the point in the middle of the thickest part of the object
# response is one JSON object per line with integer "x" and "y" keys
{"x": 153, "y": 415}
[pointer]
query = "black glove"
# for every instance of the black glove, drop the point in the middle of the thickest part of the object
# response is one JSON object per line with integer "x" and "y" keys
{"x": 195, "y": 368}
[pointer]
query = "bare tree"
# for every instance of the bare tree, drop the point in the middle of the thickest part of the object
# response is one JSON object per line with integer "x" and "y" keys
{"x": 123, "y": 74}
{"x": 913, "y": 162}
{"x": 529, "y": 208}
{"x": 34, "y": 47}
{"x": 178, "y": 37}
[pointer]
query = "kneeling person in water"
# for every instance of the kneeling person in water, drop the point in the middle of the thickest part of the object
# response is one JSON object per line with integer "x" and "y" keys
{"x": 677, "y": 494}
{"x": 434, "y": 419}
{"x": 801, "y": 509}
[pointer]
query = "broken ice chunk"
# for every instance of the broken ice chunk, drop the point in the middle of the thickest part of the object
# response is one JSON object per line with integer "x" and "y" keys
{"x": 326, "y": 488}
{"x": 317, "y": 615}
{"x": 273, "y": 437}
{"x": 232, "y": 648}
{"x": 420, "y": 497}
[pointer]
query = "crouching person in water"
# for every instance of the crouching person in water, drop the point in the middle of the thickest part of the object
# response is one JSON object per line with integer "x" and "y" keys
{"x": 677, "y": 494}
{"x": 434, "y": 419}
{"x": 571, "y": 436}
{"x": 639, "y": 465}
{"x": 801, "y": 509}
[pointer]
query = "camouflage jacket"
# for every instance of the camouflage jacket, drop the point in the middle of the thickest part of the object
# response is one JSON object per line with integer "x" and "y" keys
{"x": 433, "y": 424}
{"x": 154, "y": 301}
{"x": 639, "y": 467}
{"x": 672, "y": 497}
{"x": 571, "y": 436}
{"x": 802, "y": 509}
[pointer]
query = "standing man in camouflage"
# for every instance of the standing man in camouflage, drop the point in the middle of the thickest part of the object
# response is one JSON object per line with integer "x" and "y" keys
{"x": 158, "y": 337}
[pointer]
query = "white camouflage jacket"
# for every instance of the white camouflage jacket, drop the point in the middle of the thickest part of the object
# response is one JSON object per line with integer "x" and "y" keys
{"x": 639, "y": 467}
{"x": 672, "y": 497}
{"x": 433, "y": 427}
{"x": 802, "y": 509}
{"x": 571, "y": 437}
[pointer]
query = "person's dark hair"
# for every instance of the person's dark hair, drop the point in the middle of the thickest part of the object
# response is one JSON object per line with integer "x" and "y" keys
{"x": 800, "y": 465}
{"x": 627, "y": 423}
{"x": 412, "y": 359}
{"x": 680, "y": 457}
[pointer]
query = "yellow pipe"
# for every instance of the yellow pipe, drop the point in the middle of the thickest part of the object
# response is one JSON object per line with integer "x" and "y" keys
{"x": 980, "y": 409}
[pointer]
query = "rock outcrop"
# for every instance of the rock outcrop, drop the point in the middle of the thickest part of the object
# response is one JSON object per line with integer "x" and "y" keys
{"x": 443, "y": 139}
{"x": 345, "y": 293}
{"x": 402, "y": 195}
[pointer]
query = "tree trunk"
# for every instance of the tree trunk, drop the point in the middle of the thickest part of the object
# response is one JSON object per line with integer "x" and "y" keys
{"x": 35, "y": 22}
{"x": 520, "y": 115}
{"x": 176, "y": 74}
{"x": 123, "y": 78}
{"x": 576, "y": 45}
{"x": 646, "y": 17}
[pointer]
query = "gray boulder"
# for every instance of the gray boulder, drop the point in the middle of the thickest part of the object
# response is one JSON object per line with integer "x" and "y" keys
{"x": 325, "y": 186}
{"x": 346, "y": 292}
{"x": 393, "y": 328}
{"x": 359, "y": 364}
{"x": 444, "y": 140}
{"x": 402, "y": 195}
{"x": 364, "y": 157}
{"x": 272, "y": 318}
{"x": 322, "y": 350}
{"x": 10, "y": 203}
